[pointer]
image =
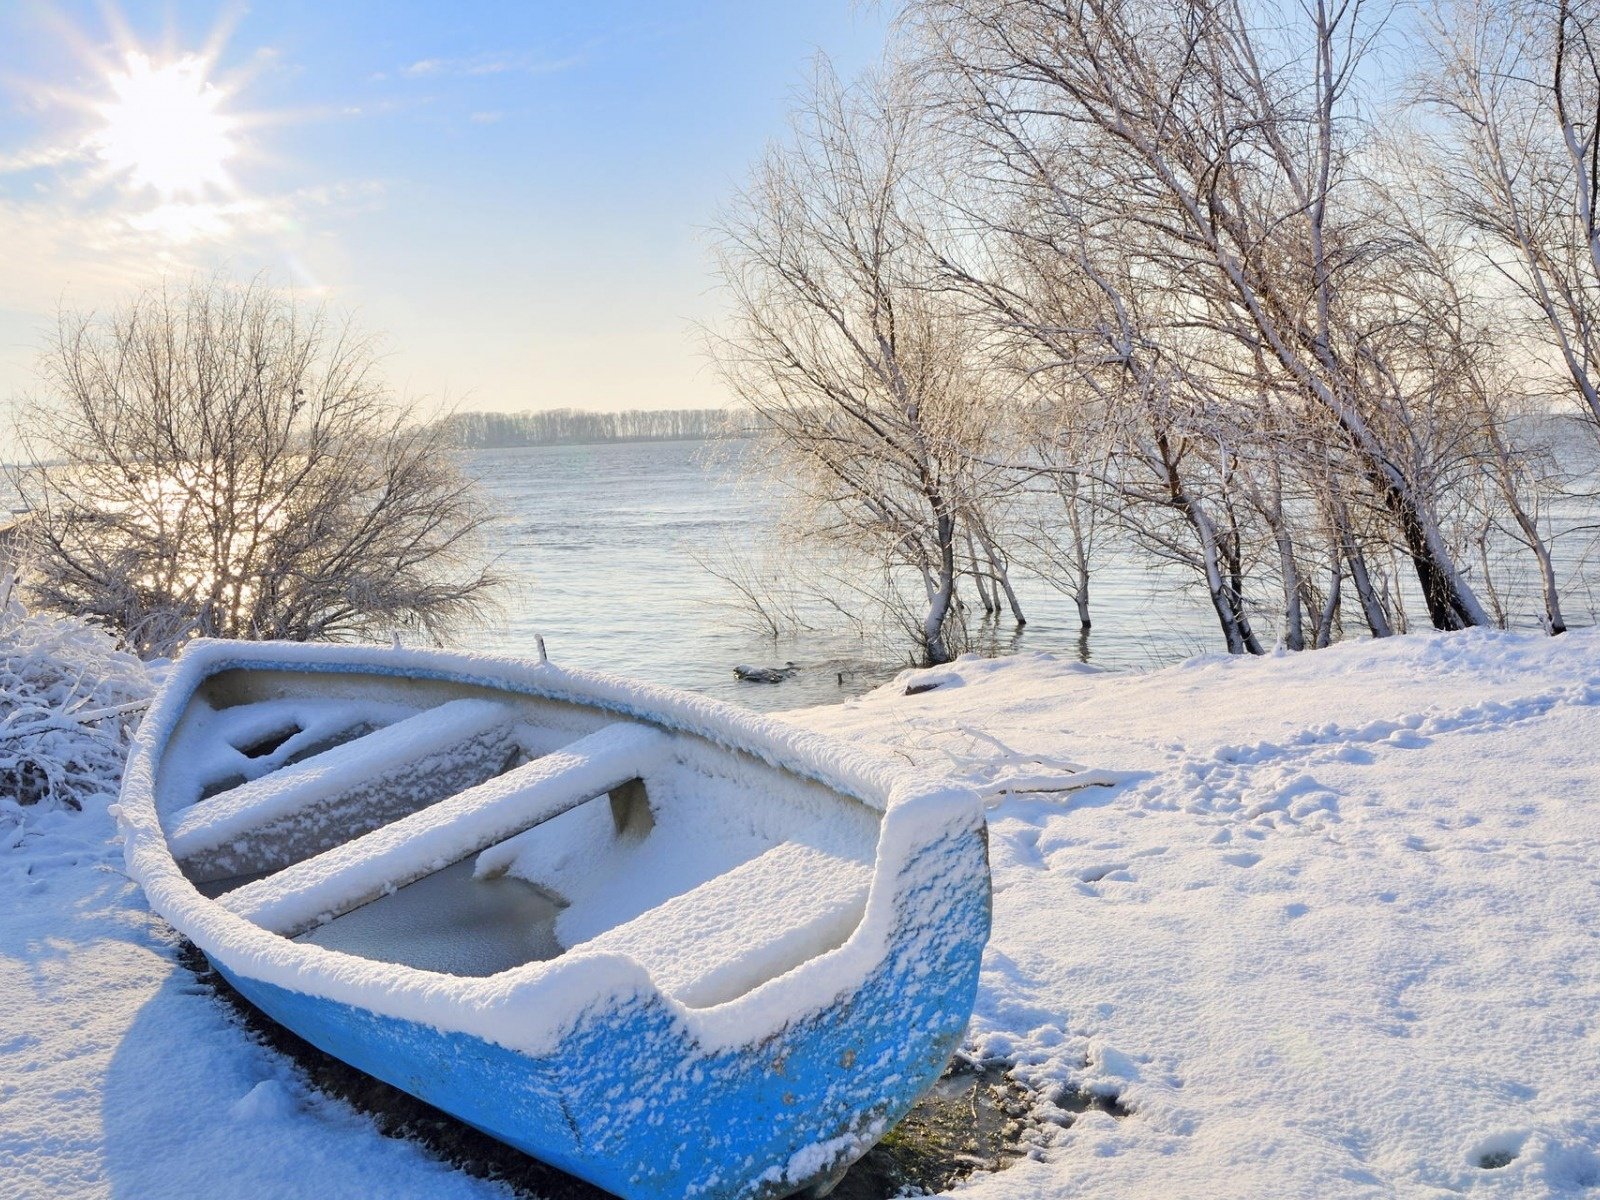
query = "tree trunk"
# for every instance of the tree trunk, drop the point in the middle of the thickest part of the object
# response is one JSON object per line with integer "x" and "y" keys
{"x": 1450, "y": 600}
{"x": 1221, "y": 601}
{"x": 1080, "y": 555}
{"x": 1002, "y": 578}
{"x": 1236, "y": 593}
{"x": 990, "y": 604}
{"x": 1496, "y": 605}
{"x": 1371, "y": 606}
{"x": 1330, "y": 605}
{"x": 1294, "y": 636}
{"x": 1554, "y": 623}
{"x": 1225, "y": 600}
{"x": 1552, "y": 619}
{"x": 936, "y": 646}
{"x": 1350, "y": 549}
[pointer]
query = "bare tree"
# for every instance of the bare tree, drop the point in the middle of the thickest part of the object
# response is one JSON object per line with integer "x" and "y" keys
{"x": 1459, "y": 346}
{"x": 1182, "y": 279}
{"x": 1223, "y": 153}
{"x": 217, "y": 460}
{"x": 1133, "y": 427}
{"x": 1064, "y": 536}
{"x": 864, "y": 380}
{"x": 1519, "y": 84}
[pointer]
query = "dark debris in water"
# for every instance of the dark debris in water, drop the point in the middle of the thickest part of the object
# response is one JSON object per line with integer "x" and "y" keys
{"x": 976, "y": 1118}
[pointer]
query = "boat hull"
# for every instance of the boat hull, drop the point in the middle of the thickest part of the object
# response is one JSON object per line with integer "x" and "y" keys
{"x": 625, "y": 1087}
{"x": 630, "y": 1102}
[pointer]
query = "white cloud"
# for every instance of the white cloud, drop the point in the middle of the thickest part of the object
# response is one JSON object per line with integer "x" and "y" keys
{"x": 91, "y": 254}
{"x": 42, "y": 156}
{"x": 491, "y": 64}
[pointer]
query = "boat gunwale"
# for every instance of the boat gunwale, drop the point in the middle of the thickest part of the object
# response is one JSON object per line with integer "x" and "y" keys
{"x": 527, "y": 1008}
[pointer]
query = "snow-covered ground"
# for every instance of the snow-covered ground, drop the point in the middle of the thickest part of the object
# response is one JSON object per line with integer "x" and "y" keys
{"x": 1337, "y": 935}
{"x": 1325, "y": 923}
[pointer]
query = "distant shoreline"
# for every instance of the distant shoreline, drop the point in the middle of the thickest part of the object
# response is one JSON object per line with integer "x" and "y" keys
{"x": 579, "y": 427}
{"x": 603, "y": 441}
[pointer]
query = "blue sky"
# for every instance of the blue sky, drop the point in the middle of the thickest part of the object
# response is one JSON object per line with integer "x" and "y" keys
{"x": 511, "y": 193}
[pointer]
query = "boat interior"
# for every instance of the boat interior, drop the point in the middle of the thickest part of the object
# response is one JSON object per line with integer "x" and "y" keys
{"x": 469, "y": 830}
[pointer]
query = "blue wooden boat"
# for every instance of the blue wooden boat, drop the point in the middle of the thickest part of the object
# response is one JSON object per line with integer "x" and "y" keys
{"x": 671, "y": 947}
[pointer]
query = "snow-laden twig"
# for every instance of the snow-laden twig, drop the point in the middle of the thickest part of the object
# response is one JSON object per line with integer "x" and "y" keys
{"x": 69, "y": 699}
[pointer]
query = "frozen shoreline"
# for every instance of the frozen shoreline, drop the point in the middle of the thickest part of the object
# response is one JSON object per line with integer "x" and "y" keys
{"x": 1326, "y": 924}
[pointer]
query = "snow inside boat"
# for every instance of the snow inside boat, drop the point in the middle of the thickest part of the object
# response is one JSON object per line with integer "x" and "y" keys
{"x": 671, "y": 947}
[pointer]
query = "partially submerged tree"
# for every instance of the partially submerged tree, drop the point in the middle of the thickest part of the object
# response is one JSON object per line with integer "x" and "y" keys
{"x": 1221, "y": 152}
{"x": 864, "y": 379}
{"x": 219, "y": 461}
{"x": 1457, "y": 350}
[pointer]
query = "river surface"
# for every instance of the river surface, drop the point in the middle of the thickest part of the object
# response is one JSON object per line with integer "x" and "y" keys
{"x": 603, "y": 546}
{"x": 603, "y": 549}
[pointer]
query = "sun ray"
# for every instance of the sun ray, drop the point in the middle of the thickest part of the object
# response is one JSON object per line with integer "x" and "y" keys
{"x": 157, "y": 141}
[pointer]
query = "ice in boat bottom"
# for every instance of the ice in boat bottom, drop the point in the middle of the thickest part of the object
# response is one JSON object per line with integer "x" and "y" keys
{"x": 671, "y": 947}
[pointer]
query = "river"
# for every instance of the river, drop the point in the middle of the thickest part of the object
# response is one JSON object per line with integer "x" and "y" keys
{"x": 603, "y": 546}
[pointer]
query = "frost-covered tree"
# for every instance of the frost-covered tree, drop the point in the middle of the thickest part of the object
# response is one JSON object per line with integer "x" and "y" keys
{"x": 218, "y": 460}
{"x": 1518, "y": 85}
{"x": 866, "y": 383}
{"x": 1221, "y": 151}
{"x": 1247, "y": 318}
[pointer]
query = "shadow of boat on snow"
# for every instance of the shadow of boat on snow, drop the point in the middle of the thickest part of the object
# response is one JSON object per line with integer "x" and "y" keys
{"x": 190, "y": 1107}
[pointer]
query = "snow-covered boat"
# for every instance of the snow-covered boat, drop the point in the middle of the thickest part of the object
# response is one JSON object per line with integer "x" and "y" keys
{"x": 671, "y": 947}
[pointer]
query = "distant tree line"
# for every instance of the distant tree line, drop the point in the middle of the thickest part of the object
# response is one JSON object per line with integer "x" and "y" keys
{"x": 568, "y": 426}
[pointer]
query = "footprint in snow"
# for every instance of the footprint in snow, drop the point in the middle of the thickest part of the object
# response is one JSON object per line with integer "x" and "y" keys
{"x": 1016, "y": 844}
{"x": 1242, "y": 859}
{"x": 1497, "y": 1150}
{"x": 1114, "y": 872}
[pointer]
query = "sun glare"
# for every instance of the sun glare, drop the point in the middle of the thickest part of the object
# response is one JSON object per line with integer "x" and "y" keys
{"x": 164, "y": 129}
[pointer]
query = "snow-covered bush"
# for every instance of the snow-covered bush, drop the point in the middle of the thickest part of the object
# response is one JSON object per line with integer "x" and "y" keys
{"x": 69, "y": 699}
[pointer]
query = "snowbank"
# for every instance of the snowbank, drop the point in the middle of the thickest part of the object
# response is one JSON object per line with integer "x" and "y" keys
{"x": 1327, "y": 924}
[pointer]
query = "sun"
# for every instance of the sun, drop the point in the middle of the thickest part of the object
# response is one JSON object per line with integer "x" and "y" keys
{"x": 164, "y": 128}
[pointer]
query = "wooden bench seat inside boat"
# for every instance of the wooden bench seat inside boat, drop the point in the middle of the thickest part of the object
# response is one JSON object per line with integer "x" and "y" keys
{"x": 320, "y": 888}
{"x": 742, "y": 928}
{"x": 410, "y": 891}
{"x": 293, "y": 813}
{"x": 717, "y": 941}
